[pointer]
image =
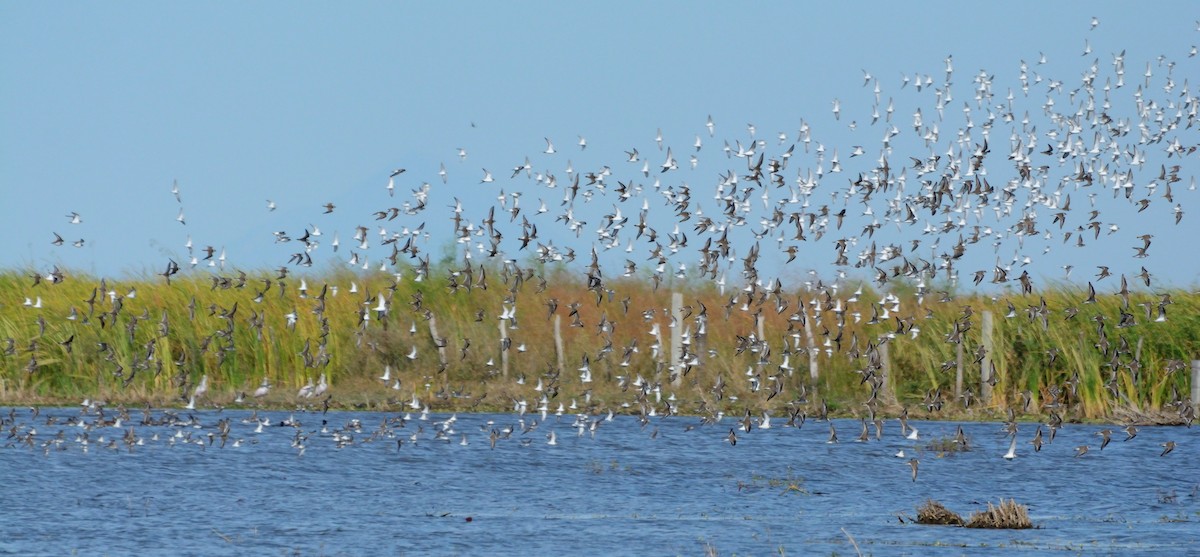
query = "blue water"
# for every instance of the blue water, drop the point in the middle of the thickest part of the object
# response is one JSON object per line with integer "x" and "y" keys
{"x": 622, "y": 491}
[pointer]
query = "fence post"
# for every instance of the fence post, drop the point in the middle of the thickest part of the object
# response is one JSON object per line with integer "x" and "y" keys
{"x": 677, "y": 338}
{"x": 503, "y": 348}
{"x": 958, "y": 374}
{"x": 1195, "y": 383}
{"x": 558, "y": 342}
{"x": 885, "y": 369}
{"x": 985, "y": 388}
{"x": 813, "y": 373}
{"x": 434, "y": 333}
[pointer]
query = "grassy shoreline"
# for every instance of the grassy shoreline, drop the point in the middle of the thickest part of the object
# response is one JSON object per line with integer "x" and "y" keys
{"x": 141, "y": 340}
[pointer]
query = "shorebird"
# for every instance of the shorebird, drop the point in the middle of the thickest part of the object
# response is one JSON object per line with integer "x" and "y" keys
{"x": 1167, "y": 448}
{"x": 202, "y": 388}
{"x": 263, "y": 389}
{"x": 913, "y": 464}
{"x": 1012, "y": 449}
{"x": 307, "y": 390}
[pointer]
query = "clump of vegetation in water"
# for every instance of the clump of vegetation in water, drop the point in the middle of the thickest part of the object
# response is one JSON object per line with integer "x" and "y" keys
{"x": 791, "y": 483}
{"x": 933, "y": 512}
{"x": 1007, "y": 515}
{"x": 948, "y": 446}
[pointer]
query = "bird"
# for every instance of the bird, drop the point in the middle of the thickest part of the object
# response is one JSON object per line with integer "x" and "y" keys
{"x": 1012, "y": 449}
{"x": 1167, "y": 448}
{"x": 202, "y": 388}
{"x": 912, "y": 463}
{"x": 307, "y": 391}
{"x": 263, "y": 389}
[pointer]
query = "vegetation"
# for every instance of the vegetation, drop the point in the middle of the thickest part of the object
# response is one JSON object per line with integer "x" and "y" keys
{"x": 142, "y": 340}
{"x": 1007, "y": 515}
{"x": 948, "y": 446}
{"x": 933, "y": 512}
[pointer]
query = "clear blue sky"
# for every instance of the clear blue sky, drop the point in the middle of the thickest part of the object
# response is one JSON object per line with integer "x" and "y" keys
{"x": 104, "y": 105}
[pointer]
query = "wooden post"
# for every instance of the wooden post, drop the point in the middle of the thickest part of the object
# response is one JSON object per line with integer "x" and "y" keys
{"x": 433, "y": 332}
{"x": 885, "y": 370}
{"x": 1195, "y": 383}
{"x": 558, "y": 343}
{"x": 503, "y": 350}
{"x": 958, "y": 374}
{"x": 813, "y": 372}
{"x": 700, "y": 340}
{"x": 677, "y": 338}
{"x": 985, "y": 388}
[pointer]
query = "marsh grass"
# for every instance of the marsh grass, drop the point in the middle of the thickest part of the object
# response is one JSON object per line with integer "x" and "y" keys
{"x": 140, "y": 342}
{"x": 932, "y": 512}
{"x": 1008, "y": 515}
{"x": 1005, "y": 515}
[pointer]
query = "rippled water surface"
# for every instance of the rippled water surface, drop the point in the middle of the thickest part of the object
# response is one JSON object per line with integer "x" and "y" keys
{"x": 669, "y": 487}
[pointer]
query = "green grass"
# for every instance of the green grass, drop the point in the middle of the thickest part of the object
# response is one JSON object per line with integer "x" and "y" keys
{"x": 237, "y": 351}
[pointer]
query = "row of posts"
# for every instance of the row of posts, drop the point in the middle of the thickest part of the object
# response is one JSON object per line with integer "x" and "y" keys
{"x": 986, "y": 369}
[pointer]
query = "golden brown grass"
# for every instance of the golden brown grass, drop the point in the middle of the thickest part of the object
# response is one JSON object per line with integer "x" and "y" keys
{"x": 1007, "y": 515}
{"x": 237, "y": 353}
{"x": 933, "y": 512}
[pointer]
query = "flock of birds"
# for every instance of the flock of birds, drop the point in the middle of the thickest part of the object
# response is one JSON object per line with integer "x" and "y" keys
{"x": 96, "y": 428}
{"x": 1015, "y": 169}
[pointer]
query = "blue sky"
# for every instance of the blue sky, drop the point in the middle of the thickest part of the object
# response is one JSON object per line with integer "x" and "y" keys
{"x": 104, "y": 106}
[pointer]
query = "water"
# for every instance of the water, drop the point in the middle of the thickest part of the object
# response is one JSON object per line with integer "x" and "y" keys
{"x": 620, "y": 492}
